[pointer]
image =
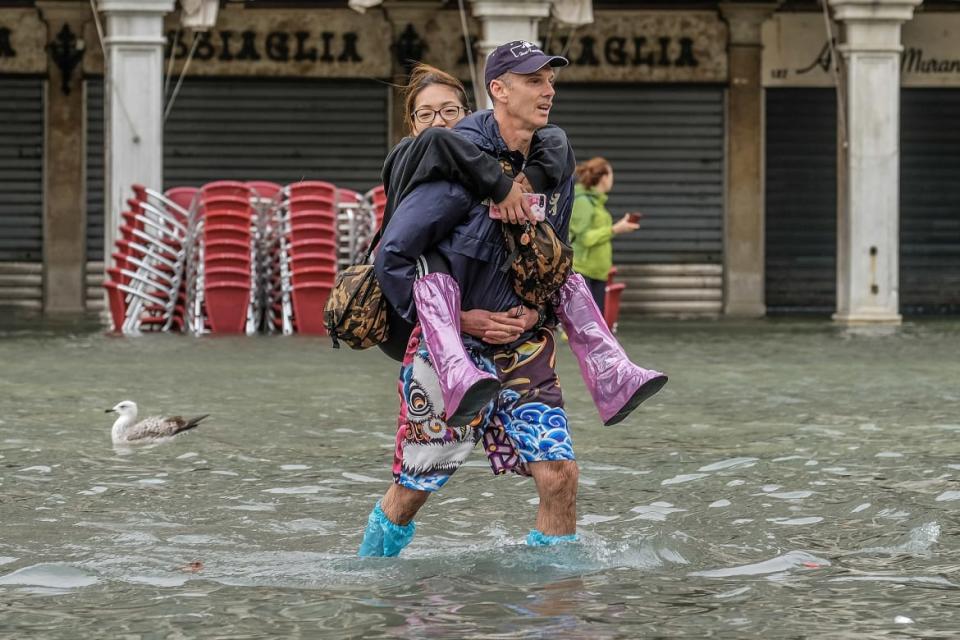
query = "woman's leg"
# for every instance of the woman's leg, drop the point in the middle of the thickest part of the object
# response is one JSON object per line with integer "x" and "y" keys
{"x": 598, "y": 288}
{"x": 617, "y": 385}
{"x": 465, "y": 389}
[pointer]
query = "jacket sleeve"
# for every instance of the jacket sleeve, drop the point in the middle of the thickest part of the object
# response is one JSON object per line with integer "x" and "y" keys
{"x": 583, "y": 224}
{"x": 600, "y": 230}
{"x": 420, "y": 221}
{"x": 441, "y": 154}
{"x": 551, "y": 160}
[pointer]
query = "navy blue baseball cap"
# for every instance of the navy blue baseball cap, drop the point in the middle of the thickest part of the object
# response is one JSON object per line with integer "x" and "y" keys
{"x": 520, "y": 57}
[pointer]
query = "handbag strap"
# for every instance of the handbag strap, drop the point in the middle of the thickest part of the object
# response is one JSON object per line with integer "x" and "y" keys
{"x": 373, "y": 243}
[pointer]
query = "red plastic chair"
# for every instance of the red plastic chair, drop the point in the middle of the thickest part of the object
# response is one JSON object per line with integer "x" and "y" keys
{"x": 348, "y": 195}
{"x": 308, "y": 303}
{"x": 226, "y": 302}
{"x": 314, "y": 275}
{"x": 227, "y": 232}
{"x": 313, "y": 188}
{"x": 225, "y": 188}
{"x": 313, "y": 232}
{"x": 319, "y": 205}
{"x": 304, "y": 247}
{"x": 182, "y": 196}
{"x": 378, "y": 198}
{"x": 264, "y": 188}
{"x": 308, "y": 260}
{"x": 312, "y": 216}
{"x": 217, "y": 259}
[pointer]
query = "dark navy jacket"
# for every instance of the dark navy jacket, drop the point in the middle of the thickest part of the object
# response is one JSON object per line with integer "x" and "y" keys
{"x": 448, "y": 218}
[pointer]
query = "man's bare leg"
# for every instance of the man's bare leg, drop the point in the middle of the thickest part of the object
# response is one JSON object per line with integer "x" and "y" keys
{"x": 557, "y": 485}
{"x": 390, "y": 525}
{"x": 401, "y": 504}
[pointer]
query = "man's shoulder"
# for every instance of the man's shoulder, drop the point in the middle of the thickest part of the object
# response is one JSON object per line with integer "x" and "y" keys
{"x": 480, "y": 129}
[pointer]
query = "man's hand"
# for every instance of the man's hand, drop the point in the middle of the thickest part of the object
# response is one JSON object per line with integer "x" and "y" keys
{"x": 494, "y": 327}
{"x": 514, "y": 208}
{"x": 529, "y": 316}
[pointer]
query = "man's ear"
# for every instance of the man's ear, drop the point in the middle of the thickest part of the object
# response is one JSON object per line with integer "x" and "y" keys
{"x": 498, "y": 90}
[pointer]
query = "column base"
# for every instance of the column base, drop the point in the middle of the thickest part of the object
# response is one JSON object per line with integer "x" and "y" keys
{"x": 865, "y": 318}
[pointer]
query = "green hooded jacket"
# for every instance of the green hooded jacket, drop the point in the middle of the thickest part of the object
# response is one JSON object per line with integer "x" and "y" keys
{"x": 591, "y": 230}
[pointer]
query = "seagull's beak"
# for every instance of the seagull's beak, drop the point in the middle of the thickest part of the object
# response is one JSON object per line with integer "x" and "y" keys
{"x": 110, "y": 411}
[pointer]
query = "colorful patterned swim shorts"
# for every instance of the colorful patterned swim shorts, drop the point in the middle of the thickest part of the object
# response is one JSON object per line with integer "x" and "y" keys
{"x": 526, "y": 423}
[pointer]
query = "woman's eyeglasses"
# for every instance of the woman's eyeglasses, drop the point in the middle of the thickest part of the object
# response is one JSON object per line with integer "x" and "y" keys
{"x": 426, "y": 115}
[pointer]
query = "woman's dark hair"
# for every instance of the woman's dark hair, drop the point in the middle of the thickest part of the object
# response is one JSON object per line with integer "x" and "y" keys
{"x": 423, "y": 76}
{"x": 590, "y": 172}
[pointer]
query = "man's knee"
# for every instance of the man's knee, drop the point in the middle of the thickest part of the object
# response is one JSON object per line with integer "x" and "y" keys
{"x": 558, "y": 480}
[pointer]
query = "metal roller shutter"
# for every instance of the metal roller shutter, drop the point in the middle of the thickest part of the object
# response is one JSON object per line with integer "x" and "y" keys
{"x": 21, "y": 169}
{"x": 94, "y": 94}
{"x": 21, "y": 191}
{"x": 929, "y": 201}
{"x": 666, "y": 146}
{"x": 256, "y": 129}
{"x": 280, "y": 130}
{"x": 801, "y": 200}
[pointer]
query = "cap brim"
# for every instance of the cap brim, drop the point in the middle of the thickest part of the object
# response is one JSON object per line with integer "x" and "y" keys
{"x": 535, "y": 63}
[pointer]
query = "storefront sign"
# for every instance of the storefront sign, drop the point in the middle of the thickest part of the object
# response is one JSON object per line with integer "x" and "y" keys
{"x": 22, "y": 40}
{"x": 650, "y": 46}
{"x": 796, "y": 51}
{"x": 320, "y": 43}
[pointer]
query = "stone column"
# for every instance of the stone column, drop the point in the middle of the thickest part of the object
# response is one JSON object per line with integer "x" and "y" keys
{"x": 64, "y": 189}
{"x": 868, "y": 215}
{"x": 504, "y": 21}
{"x": 133, "y": 101}
{"x": 743, "y": 229}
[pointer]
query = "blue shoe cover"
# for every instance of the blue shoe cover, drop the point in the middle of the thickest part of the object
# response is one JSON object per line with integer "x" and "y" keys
{"x": 395, "y": 536}
{"x": 383, "y": 537}
{"x": 537, "y": 538}
{"x": 372, "y": 544}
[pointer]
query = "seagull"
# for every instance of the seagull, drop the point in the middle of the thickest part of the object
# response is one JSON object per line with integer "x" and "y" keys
{"x": 126, "y": 430}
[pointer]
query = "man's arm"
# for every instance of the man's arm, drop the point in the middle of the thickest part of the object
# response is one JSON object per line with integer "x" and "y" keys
{"x": 420, "y": 221}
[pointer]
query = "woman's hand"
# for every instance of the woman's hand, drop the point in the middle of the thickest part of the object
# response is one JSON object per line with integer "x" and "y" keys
{"x": 623, "y": 225}
{"x": 524, "y": 182}
{"x": 514, "y": 208}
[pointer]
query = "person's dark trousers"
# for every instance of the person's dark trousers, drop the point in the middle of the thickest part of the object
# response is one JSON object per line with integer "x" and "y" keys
{"x": 598, "y": 288}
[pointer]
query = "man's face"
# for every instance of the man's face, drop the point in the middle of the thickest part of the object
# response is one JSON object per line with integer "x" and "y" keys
{"x": 528, "y": 98}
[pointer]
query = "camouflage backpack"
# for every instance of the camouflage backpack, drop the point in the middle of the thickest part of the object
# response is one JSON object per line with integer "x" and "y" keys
{"x": 356, "y": 311}
{"x": 540, "y": 261}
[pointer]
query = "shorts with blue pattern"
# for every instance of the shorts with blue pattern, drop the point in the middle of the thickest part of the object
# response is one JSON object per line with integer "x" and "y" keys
{"x": 525, "y": 423}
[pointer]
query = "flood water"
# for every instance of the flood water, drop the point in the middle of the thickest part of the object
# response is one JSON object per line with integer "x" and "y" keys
{"x": 793, "y": 479}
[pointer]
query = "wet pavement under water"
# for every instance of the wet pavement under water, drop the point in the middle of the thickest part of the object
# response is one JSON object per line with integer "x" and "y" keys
{"x": 794, "y": 479}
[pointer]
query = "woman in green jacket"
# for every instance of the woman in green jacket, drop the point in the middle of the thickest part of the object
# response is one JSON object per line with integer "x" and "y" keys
{"x": 592, "y": 228}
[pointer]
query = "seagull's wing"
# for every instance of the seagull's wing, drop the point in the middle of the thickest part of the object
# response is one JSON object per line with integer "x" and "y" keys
{"x": 161, "y": 427}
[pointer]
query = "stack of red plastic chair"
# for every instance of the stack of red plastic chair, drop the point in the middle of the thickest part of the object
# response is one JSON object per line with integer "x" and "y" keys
{"x": 356, "y": 226}
{"x": 612, "y": 296}
{"x": 311, "y": 239}
{"x": 227, "y": 269}
{"x": 145, "y": 285}
{"x": 377, "y": 197}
